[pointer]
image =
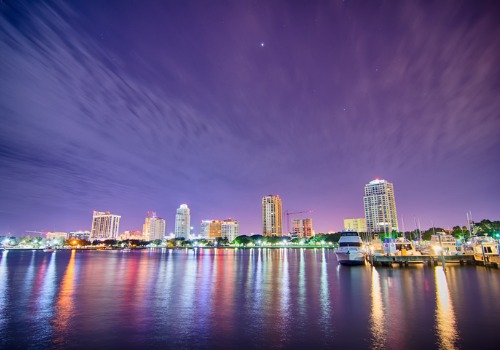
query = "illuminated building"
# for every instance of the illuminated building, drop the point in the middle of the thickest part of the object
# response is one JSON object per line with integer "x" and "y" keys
{"x": 135, "y": 235}
{"x": 183, "y": 222}
{"x": 214, "y": 229}
{"x": 153, "y": 227}
{"x": 229, "y": 229}
{"x": 204, "y": 228}
{"x": 52, "y": 235}
{"x": 104, "y": 225}
{"x": 357, "y": 225}
{"x": 80, "y": 235}
{"x": 272, "y": 216}
{"x": 157, "y": 229}
{"x": 380, "y": 207}
{"x": 302, "y": 228}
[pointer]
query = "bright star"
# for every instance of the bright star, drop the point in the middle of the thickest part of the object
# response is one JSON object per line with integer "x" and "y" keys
{"x": 262, "y": 44}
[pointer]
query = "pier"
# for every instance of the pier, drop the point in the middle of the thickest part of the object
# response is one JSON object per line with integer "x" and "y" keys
{"x": 431, "y": 260}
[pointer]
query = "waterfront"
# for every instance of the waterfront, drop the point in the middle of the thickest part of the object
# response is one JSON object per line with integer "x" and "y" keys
{"x": 227, "y": 298}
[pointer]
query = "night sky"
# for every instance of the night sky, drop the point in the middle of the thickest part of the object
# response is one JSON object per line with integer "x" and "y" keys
{"x": 131, "y": 106}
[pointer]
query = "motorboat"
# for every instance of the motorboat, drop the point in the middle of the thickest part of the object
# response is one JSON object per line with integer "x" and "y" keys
{"x": 405, "y": 247}
{"x": 49, "y": 250}
{"x": 483, "y": 247}
{"x": 445, "y": 243}
{"x": 351, "y": 250}
{"x": 376, "y": 246}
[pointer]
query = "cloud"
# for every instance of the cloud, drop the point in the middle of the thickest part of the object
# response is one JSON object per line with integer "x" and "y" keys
{"x": 162, "y": 103}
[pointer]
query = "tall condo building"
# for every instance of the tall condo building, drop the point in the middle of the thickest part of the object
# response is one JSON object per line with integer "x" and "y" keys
{"x": 272, "y": 216}
{"x": 229, "y": 229}
{"x": 302, "y": 227}
{"x": 153, "y": 227}
{"x": 183, "y": 222}
{"x": 356, "y": 225}
{"x": 380, "y": 207}
{"x": 204, "y": 228}
{"x": 104, "y": 226}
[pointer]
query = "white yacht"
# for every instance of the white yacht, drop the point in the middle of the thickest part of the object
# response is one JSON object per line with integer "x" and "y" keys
{"x": 448, "y": 244}
{"x": 351, "y": 250}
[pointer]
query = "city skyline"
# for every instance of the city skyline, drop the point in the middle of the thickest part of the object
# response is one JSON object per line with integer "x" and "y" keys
{"x": 138, "y": 107}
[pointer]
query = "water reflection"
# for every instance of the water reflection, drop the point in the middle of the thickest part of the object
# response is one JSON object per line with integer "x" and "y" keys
{"x": 445, "y": 316}
{"x": 4, "y": 285}
{"x": 30, "y": 274}
{"x": 64, "y": 304}
{"x": 325, "y": 298}
{"x": 302, "y": 286}
{"x": 45, "y": 300}
{"x": 283, "y": 283}
{"x": 225, "y": 299}
{"x": 377, "y": 326}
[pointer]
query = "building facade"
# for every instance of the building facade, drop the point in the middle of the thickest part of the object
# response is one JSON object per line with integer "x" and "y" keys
{"x": 56, "y": 235}
{"x": 80, "y": 235}
{"x": 153, "y": 227}
{"x": 204, "y": 228}
{"x": 214, "y": 229}
{"x": 356, "y": 225}
{"x": 380, "y": 207}
{"x": 135, "y": 235}
{"x": 183, "y": 222}
{"x": 104, "y": 226}
{"x": 272, "y": 216}
{"x": 302, "y": 228}
{"x": 230, "y": 229}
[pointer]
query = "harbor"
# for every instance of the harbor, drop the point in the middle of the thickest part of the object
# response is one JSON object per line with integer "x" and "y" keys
{"x": 442, "y": 249}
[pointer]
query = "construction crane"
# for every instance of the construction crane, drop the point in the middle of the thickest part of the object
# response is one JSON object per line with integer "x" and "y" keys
{"x": 288, "y": 213}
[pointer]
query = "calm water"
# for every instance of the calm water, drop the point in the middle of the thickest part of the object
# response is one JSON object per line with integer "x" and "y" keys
{"x": 259, "y": 298}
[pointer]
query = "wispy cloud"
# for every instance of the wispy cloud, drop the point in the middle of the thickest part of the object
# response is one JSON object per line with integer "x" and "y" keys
{"x": 165, "y": 103}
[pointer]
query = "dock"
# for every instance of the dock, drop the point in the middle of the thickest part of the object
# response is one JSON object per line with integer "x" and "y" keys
{"x": 431, "y": 260}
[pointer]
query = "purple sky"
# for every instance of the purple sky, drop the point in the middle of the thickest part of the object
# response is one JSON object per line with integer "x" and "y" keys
{"x": 130, "y": 106}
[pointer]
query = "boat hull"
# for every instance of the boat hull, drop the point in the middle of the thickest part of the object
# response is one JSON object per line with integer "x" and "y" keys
{"x": 350, "y": 258}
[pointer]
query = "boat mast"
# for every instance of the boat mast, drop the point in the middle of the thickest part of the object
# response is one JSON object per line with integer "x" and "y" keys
{"x": 403, "y": 223}
{"x": 419, "y": 230}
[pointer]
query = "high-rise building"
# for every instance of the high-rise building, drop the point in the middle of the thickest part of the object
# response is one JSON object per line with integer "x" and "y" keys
{"x": 146, "y": 227}
{"x": 183, "y": 222}
{"x": 204, "y": 228}
{"x": 104, "y": 226}
{"x": 153, "y": 227}
{"x": 229, "y": 229}
{"x": 380, "y": 207}
{"x": 356, "y": 225}
{"x": 272, "y": 216}
{"x": 302, "y": 228}
{"x": 214, "y": 229}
